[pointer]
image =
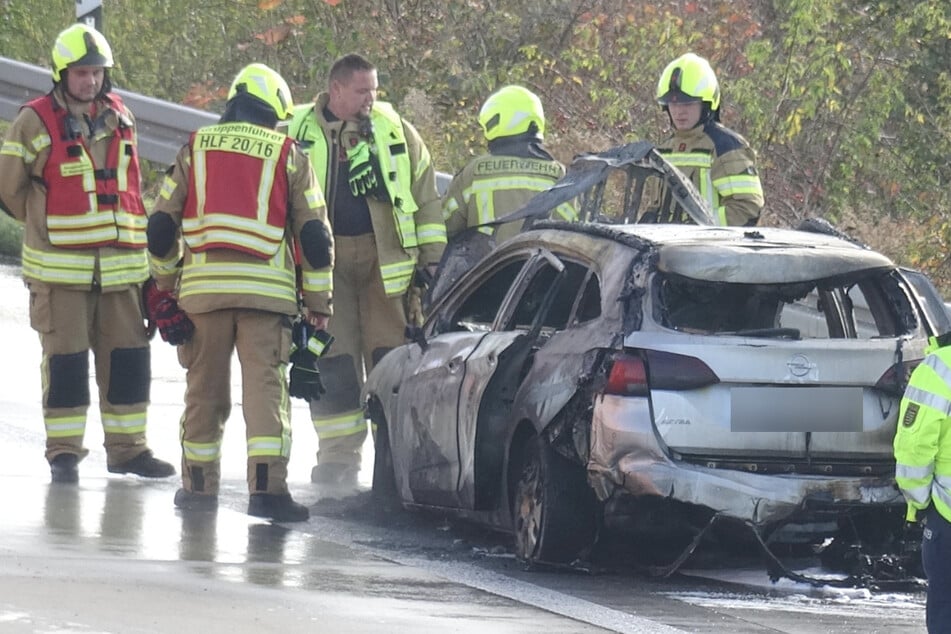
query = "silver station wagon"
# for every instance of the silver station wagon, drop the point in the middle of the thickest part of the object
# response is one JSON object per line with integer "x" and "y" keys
{"x": 675, "y": 381}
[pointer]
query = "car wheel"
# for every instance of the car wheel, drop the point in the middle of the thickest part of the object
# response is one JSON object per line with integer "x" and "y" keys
{"x": 554, "y": 511}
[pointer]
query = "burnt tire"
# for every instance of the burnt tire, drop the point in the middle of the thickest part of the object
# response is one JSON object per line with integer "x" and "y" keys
{"x": 384, "y": 476}
{"x": 554, "y": 511}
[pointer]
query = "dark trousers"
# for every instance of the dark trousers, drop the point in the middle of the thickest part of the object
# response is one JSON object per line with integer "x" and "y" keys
{"x": 936, "y": 558}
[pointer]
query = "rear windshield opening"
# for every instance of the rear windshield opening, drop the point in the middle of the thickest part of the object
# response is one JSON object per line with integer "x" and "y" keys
{"x": 874, "y": 305}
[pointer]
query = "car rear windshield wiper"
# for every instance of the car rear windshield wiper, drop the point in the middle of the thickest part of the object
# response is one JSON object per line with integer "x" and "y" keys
{"x": 766, "y": 333}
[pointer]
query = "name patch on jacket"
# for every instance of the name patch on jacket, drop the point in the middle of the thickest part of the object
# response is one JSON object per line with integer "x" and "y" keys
{"x": 910, "y": 415}
{"x": 258, "y": 148}
{"x": 517, "y": 165}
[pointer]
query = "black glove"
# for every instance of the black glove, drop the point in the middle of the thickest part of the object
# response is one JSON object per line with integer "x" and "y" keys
{"x": 305, "y": 382}
{"x": 423, "y": 278}
{"x": 163, "y": 312}
{"x": 307, "y": 346}
{"x": 364, "y": 175}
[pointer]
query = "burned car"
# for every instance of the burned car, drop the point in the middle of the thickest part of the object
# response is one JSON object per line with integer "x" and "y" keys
{"x": 677, "y": 382}
{"x": 669, "y": 375}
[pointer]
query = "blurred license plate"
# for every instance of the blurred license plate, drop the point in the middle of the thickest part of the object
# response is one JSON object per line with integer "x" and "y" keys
{"x": 814, "y": 409}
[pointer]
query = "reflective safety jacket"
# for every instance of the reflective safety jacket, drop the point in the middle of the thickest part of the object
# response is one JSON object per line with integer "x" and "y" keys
{"x": 494, "y": 185}
{"x": 722, "y": 165}
{"x": 86, "y": 206}
{"x": 237, "y": 189}
{"x": 923, "y": 438}
{"x": 409, "y": 229}
{"x": 246, "y": 260}
{"x": 74, "y": 183}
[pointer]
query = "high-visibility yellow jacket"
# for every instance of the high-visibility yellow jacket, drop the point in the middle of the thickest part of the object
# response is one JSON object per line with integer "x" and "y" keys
{"x": 24, "y": 192}
{"x": 494, "y": 185}
{"x": 262, "y": 277}
{"x": 923, "y": 438}
{"x": 722, "y": 165}
{"x": 409, "y": 230}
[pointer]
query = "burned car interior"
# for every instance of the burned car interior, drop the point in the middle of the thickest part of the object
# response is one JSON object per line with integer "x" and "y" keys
{"x": 480, "y": 310}
{"x": 864, "y": 307}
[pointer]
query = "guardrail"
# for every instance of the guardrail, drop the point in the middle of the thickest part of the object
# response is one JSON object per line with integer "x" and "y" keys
{"x": 163, "y": 126}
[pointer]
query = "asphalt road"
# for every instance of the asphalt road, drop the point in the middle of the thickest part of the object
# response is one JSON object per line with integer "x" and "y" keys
{"x": 112, "y": 555}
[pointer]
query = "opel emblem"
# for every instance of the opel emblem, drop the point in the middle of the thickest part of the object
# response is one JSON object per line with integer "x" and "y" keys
{"x": 799, "y": 365}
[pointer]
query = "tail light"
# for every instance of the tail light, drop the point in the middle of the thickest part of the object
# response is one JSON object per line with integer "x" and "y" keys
{"x": 633, "y": 374}
{"x": 894, "y": 380}
{"x": 628, "y": 376}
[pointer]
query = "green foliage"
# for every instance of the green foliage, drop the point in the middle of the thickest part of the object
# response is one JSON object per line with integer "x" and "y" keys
{"x": 832, "y": 118}
{"x": 846, "y": 102}
{"x": 27, "y": 29}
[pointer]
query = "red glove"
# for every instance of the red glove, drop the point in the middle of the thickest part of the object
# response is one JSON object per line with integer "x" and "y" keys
{"x": 163, "y": 311}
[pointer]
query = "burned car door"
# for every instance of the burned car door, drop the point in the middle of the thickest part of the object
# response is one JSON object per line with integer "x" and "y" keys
{"x": 552, "y": 294}
{"x": 429, "y": 397}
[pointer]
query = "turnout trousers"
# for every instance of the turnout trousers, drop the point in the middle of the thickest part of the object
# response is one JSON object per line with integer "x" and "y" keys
{"x": 936, "y": 559}
{"x": 262, "y": 340}
{"x": 365, "y": 325}
{"x": 70, "y": 323}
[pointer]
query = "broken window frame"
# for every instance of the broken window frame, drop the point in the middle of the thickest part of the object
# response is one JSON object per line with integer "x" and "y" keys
{"x": 886, "y": 298}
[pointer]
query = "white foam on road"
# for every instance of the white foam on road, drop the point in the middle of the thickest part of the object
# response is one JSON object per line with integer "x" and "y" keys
{"x": 793, "y": 596}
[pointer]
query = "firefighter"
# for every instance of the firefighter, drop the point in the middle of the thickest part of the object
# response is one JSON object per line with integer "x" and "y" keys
{"x": 69, "y": 171}
{"x": 516, "y": 167}
{"x": 923, "y": 473}
{"x": 238, "y": 199}
{"x": 719, "y": 162}
{"x": 387, "y": 222}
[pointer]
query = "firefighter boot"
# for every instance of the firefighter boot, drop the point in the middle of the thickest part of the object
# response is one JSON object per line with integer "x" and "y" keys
{"x": 145, "y": 465}
{"x": 278, "y": 507}
{"x": 63, "y": 468}
{"x": 191, "y": 501}
{"x": 336, "y": 473}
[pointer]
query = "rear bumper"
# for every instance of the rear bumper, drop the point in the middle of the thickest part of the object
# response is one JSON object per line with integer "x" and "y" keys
{"x": 627, "y": 457}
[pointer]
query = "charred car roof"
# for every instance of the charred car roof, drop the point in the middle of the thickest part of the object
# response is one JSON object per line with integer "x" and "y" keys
{"x": 730, "y": 254}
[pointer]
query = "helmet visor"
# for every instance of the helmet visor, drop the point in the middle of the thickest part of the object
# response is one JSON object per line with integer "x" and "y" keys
{"x": 676, "y": 96}
{"x": 92, "y": 58}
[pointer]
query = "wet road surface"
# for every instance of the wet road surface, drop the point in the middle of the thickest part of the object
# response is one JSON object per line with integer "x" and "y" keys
{"x": 112, "y": 555}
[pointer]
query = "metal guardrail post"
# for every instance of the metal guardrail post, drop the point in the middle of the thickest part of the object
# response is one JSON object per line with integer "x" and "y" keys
{"x": 90, "y": 12}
